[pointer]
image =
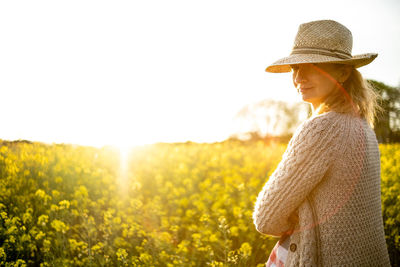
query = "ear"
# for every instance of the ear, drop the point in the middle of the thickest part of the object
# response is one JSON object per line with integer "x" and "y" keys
{"x": 345, "y": 72}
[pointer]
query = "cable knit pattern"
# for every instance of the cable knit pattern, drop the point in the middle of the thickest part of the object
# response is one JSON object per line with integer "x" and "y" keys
{"x": 330, "y": 171}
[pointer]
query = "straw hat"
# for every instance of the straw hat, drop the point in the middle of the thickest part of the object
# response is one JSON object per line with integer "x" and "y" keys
{"x": 322, "y": 41}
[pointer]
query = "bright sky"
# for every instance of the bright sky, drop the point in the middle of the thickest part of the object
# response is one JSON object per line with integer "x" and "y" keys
{"x": 134, "y": 72}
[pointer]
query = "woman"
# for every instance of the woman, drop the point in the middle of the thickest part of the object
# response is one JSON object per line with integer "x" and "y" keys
{"x": 323, "y": 199}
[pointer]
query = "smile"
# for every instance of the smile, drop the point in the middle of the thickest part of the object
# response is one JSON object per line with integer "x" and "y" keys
{"x": 302, "y": 90}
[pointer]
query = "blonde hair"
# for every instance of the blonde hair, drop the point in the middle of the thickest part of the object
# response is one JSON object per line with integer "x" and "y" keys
{"x": 356, "y": 95}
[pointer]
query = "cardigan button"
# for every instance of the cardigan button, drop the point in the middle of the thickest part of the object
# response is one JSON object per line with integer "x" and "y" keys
{"x": 293, "y": 247}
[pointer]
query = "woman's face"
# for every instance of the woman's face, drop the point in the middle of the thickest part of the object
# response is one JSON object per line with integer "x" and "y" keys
{"x": 315, "y": 82}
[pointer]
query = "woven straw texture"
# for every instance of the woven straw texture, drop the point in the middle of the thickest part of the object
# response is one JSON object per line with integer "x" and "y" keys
{"x": 323, "y": 41}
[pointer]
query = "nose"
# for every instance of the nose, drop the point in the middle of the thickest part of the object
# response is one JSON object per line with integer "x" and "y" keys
{"x": 299, "y": 76}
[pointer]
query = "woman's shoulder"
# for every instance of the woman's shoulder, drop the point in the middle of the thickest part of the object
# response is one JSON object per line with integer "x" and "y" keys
{"x": 329, "y": 117}
{"x": 329, "y": 125}
{"x": 321, "y": 122}
{"x": 330, "y": 120}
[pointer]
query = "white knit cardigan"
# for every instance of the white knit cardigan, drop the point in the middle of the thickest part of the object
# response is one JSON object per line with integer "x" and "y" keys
{"x": 330, "y": 177}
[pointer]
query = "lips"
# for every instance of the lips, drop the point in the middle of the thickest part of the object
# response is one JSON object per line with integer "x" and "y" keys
{"x": 304, "y": 89}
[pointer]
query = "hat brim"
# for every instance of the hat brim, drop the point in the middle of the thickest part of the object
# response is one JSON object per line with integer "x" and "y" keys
{"x": 283, "y": 65}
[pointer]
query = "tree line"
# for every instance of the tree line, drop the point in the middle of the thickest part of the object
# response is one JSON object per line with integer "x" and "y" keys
{"x": 276, "y": 120}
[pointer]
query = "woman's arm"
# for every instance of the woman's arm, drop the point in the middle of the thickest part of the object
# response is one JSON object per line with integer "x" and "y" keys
{"x": 303, "y": 165}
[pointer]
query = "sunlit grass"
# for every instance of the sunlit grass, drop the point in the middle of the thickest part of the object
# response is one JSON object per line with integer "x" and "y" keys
{"x": 188, "y": 204}
{"x": 123, "y": 176}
